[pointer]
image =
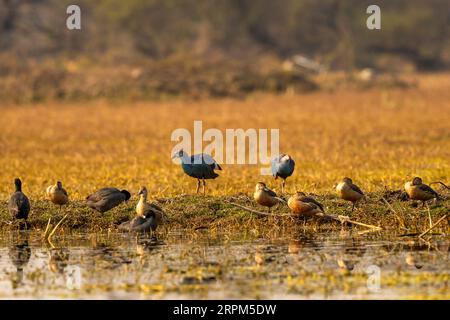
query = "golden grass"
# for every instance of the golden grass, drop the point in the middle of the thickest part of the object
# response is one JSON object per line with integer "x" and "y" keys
{"x": 380, "y": 137}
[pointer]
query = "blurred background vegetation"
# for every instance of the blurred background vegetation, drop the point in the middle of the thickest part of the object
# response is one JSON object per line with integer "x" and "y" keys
{"x": 146, "y": 49}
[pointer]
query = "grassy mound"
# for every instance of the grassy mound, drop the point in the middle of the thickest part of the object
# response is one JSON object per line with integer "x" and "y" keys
{"x": 217, "y": 214}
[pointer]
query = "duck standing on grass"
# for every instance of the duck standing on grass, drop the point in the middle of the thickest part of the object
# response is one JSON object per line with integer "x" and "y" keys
{"x": 417, "y": 190}
{"x": 304, "y": 206}
{"x": 264, "y": 196}
{"x": 199, "y": 166}
{"x": 19, "y": 205}
{"x": 57, "y": 194}
{"x": 349, "y": 191}
{"x": 148, "y": 216}
{"x": 107, "y": 198}
{"x": 283, "y": 166}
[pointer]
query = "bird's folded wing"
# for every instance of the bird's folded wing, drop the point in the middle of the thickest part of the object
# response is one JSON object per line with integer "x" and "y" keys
{"x": 140, "y": 224}
{"x": 313, "y": 202}
{"x": 270, "y": 192}
{"x": 204, "y": 158}
{"x": 105, "y": 194}
{"x": 427, "y": 189}
{"x": 153, "y": 210}
{"x": 13, "y": 205}
{"x": 356, "y": 188}
{"x": 278, "y": 158}
{"x": 95, "y": 197}
{"x": 17, "y": 201}
{"x": 154, "y": 206}
{"x": 275, "y": 165}
{"x": 311, "y": 205}
{"x": 208, "y": 159}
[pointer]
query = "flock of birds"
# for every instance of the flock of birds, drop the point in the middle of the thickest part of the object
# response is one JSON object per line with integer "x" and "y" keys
{"x": 202, "y": 167}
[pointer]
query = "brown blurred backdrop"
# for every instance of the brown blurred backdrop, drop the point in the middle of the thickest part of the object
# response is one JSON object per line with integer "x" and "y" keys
{"x": 160, "y": 48}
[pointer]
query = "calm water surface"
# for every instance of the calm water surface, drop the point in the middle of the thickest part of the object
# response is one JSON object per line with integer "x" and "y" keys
{"x": 199, "y": 266}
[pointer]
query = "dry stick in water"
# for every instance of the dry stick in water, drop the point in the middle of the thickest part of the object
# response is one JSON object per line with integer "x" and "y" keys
{"x": 341, "y": 219}
{"x": 47, "y": 228}
{"x": 429, "y": 216}
{"x": 433, "y": 226}
{"x": 56, "y": 227}
{"x": 368, "y": 230}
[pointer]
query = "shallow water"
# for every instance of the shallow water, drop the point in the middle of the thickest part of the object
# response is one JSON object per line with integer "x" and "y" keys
{"x": 341, "y": 265}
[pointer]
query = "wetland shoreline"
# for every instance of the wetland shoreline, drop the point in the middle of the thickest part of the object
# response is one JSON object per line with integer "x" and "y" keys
{"x": 216, "y": 213}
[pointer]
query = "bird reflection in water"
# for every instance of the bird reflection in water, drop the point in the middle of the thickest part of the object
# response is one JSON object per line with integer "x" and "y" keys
{"x": 58, "y": 260}
{"x": 20, "y": 254}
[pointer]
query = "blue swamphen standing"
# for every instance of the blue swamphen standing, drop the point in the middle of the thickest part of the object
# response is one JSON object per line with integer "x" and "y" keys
{"x": 283, "y": 167}
{"x": 199, "y": 166}
{"x": 19, "y": 205}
